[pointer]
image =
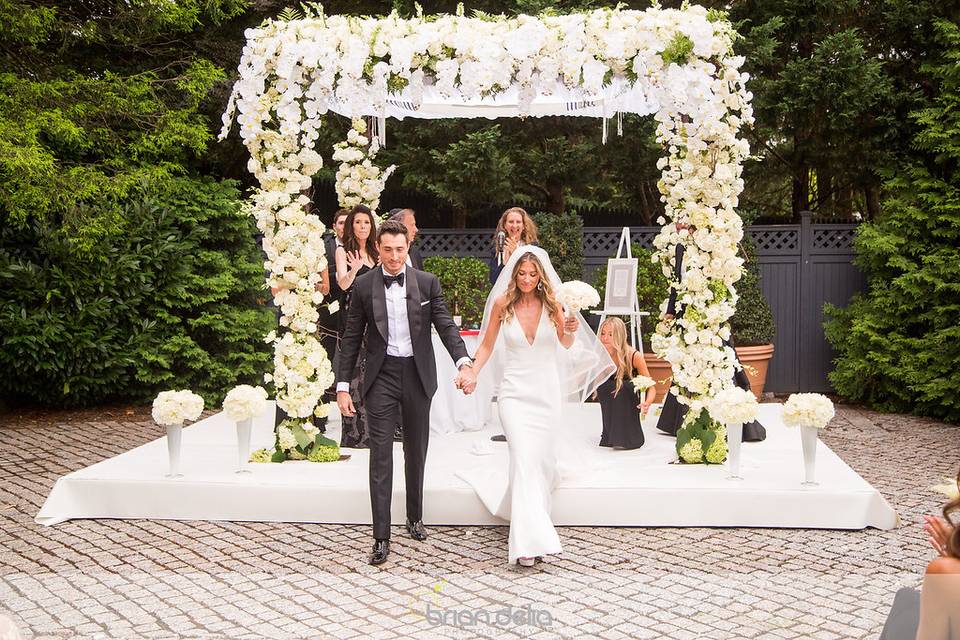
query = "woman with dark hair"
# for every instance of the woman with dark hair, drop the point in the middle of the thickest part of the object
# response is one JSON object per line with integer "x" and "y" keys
{"x": 515, "y": 229}
{"x": 357, "y": 256}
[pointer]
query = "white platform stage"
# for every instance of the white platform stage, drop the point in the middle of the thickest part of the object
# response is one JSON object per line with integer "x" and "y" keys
{"x": 621, "y": 488}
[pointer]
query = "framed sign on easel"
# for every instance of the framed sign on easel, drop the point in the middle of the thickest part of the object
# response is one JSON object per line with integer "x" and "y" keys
{"x": 620, "y": 298}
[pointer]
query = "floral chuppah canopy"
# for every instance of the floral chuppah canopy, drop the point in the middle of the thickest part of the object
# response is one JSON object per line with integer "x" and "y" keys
{"x": 675, "y": 64}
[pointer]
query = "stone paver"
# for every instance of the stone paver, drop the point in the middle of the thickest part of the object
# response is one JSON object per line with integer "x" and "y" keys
{"x": 112, "y": 579}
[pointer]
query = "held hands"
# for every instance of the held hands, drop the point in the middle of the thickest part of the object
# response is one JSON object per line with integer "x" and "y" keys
{"x": 466, "y": 380}
{"x": 345, "y": 404}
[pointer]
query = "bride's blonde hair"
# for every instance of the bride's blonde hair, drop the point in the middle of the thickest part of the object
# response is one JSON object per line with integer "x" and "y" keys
{"x": 622, "y": 355}
{"x": 544, "y": 289}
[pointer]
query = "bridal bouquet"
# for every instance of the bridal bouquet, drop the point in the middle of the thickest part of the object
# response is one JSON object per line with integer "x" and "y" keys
{"x": 244, "y": 401}
{"x": 807, "y": 410}
{"x": 642, "y": 383}
{"x": 175, "y": 407}
{"x": 734, "y": 406}
{"x": 577, "y": 296}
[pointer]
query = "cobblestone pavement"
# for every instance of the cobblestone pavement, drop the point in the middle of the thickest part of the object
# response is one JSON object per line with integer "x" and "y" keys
{"x": 110, "y": 579}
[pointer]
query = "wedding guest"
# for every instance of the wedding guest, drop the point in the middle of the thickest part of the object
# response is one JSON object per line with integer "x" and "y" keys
{"x": 409, "y": 219}
{"x": 617, "y": 397}
{"x": 515, "y": 229}
{"x": 329, "y": 321}
{"x": 933, "y": 612}
{"x": 357, "y": 256}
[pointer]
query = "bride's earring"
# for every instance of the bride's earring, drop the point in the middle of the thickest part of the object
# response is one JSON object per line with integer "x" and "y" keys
{"x": 539, "y": 286}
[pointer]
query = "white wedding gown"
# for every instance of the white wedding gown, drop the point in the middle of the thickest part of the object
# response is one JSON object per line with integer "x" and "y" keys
{"x": 528, "y": 403}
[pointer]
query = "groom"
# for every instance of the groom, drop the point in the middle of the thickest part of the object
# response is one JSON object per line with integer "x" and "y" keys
{"x": 394, "y": 307}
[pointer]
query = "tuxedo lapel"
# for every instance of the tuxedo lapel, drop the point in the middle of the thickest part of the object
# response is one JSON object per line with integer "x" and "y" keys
{"x": 379, "y": 302}
{"x": 413, "y": 304}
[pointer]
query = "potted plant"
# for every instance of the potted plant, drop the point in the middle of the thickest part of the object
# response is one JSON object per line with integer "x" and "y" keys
{"x": 752, "y": 325}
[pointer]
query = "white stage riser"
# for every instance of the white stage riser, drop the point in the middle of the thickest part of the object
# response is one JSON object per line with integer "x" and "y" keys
{"x": 618, "y": 488}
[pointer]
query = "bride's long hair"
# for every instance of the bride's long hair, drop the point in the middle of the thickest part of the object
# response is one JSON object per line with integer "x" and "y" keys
{"x": 544, "y": 290}
{"x": 618, "y": 338}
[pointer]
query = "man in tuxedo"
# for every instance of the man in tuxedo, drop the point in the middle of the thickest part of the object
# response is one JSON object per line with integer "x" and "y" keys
{"x": 409, "y": 219}
{"x": 394, "y": 307}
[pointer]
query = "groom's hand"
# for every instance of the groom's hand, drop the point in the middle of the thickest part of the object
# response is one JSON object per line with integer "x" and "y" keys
{"x": 345, "y": 404}
{"x": 467, "y": 380}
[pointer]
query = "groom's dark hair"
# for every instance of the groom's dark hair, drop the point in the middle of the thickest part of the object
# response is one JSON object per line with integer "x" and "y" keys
{"x": 393, "y": 227}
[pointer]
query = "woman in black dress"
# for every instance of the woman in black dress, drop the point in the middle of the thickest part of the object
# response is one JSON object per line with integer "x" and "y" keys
{"x": 357, "y": 256}
{"x": 617, "y": 397}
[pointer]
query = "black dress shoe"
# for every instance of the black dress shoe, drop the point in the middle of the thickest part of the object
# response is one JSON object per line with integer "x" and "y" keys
{"x": 416, "y": 530}
{"x": 381, "y": 549}
{"x": 500, "y": 438}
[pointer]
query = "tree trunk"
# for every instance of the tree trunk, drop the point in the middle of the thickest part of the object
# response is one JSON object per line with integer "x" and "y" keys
{"x": 800, "y": 200}
{"x": 872, "y": 195}
{"x": 557, "y": 197}
{"x": 459, "y": 218}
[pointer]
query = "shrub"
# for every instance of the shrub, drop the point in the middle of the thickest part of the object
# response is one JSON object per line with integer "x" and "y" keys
{"x": 561, "y": 236}
{"x": 174, "y": 301}
{"x": 898, "y": 343}
{"x": 465, "y": 283}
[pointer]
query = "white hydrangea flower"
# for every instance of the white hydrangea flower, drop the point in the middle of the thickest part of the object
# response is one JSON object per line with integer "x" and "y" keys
{"x": 807, "y": 410}
{"x": 176, "y": 407}
{"x": 245, "y": 401}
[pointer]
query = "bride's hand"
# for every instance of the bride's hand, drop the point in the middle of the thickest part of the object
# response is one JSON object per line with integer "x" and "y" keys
{"x": 571, "y": 324}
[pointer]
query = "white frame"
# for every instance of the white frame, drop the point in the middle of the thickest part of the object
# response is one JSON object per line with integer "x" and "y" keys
{"x": 623, "y": 272}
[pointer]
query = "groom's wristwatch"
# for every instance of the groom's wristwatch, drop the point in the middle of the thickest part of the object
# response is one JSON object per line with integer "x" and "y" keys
{"x": 465, "y": 362}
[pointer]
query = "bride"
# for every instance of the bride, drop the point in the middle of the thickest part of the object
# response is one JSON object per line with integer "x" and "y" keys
{"x": 540, "y": 358}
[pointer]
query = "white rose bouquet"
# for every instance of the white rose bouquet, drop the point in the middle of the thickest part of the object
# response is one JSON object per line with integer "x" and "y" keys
{"x": 734, "y": 406}
{"x": 175, "y": 407}
{"x": 642, "y": 383}
{"x": 244, "y": 402}
{"x": 577, "y": 296}
{"x": 807, "y": 409}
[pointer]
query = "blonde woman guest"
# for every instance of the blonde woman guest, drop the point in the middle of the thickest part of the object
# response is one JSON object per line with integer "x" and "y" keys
{"x": 940, "y": 594}
{"x": 618, "y": 400}
{"x": 518, "y": 230}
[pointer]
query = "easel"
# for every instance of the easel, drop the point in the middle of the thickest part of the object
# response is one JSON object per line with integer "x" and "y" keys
{"x": 635, "y": 329}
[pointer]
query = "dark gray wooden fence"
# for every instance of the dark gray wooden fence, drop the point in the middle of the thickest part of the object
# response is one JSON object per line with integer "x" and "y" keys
{"x": 802, "y": 267}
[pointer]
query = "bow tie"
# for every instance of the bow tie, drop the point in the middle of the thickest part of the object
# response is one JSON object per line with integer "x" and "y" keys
{"x": 388, "y": 281}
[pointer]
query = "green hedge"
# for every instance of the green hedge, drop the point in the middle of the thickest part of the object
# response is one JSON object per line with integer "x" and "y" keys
{"x": 465, "y": 283}
{"x": 561, "y": 236}
{"x": 898, "y": 343}
{"x": 174, "y": 301}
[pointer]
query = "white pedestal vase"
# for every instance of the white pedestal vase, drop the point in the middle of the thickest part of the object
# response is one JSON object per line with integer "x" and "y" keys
{"x": 243, "y": 444}
{"x": 734, "y": 439}
{"x": 808, "y": 438}
{"x": 174, "y": 436}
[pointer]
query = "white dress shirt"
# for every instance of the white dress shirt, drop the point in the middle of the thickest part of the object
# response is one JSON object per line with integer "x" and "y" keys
{"x": 399, "y": 341}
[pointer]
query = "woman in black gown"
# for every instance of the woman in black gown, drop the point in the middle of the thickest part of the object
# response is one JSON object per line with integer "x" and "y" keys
{"x": 357, "y": 256}
{"x": 673, "y": 413}
{"x": 618, "y": 400}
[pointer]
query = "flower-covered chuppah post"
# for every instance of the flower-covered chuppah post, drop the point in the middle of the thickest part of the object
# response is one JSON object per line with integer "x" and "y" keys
{"x": 677, "y": 64}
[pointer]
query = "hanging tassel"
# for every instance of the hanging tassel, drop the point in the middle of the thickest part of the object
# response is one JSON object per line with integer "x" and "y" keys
{"x": 620, "y": 124}
{"x": 382, "y": 130}
{"x": 604, "y": 138}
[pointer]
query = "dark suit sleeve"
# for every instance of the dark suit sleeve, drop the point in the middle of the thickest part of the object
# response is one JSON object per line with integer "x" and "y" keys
{"x": 677, "y": 269}
{"x": 444, "y": 324}
{"x": 353, "y": 332}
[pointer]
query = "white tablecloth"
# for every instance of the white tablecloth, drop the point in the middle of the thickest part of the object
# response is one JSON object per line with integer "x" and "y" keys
{"x": 452, "y": 411}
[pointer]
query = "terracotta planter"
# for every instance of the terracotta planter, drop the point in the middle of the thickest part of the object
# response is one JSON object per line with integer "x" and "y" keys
{"x": 755, "y": 361}
{"x": 659, "y": 371}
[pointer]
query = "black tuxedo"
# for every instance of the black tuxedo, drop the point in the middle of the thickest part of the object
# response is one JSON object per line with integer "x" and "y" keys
{"x": 416, "y": 260}
{"x": 397, "y": 387}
